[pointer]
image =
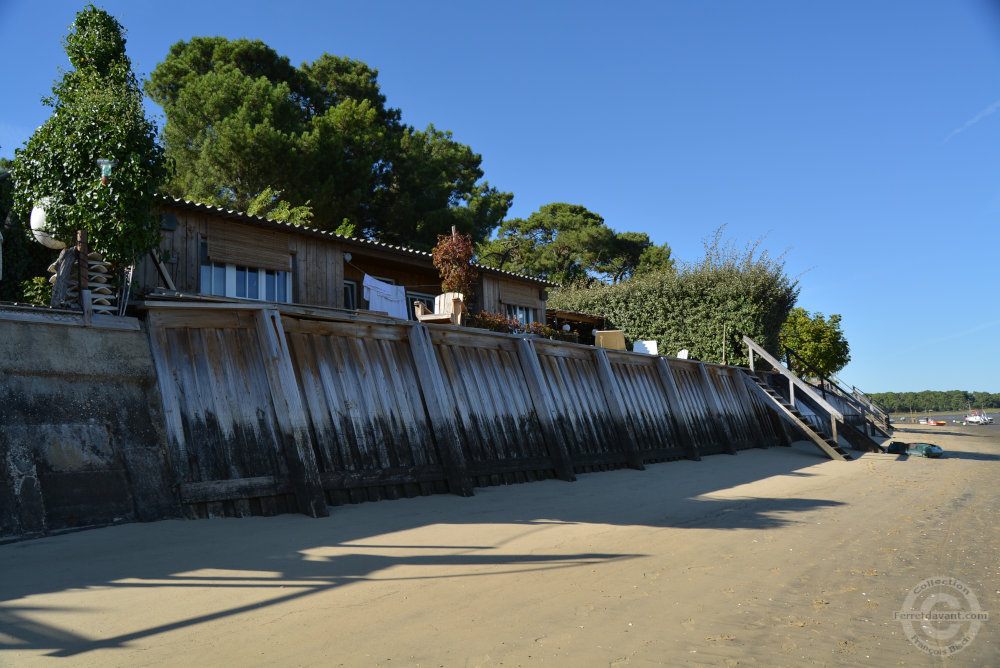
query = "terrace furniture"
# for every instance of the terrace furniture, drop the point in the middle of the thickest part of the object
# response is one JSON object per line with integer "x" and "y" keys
{"x": 448, "y": 308}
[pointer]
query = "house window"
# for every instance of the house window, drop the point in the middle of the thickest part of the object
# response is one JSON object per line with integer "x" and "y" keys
{"x": 350, "y": 295}
{"x": 414, "y": 297}
{"x": 231, "y": 280}
{"x": 524, "y": 314}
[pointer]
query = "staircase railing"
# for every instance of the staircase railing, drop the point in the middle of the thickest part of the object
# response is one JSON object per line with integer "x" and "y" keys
{"x": 836, "y": 417}
{"x": 880, "y": 413}
{"x": 870, "y": 411}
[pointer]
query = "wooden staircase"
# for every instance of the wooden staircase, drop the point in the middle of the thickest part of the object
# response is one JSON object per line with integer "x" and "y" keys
{"x": 816, "y": 399}
{"x": 876, "y": 419}
{"x": 824, "y": 441}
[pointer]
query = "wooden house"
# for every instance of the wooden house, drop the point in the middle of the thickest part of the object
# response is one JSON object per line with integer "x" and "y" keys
{"x": 208, "y": 250}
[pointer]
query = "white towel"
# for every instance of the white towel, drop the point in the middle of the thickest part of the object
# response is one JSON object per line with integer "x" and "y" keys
{"x": 385, "y": 297}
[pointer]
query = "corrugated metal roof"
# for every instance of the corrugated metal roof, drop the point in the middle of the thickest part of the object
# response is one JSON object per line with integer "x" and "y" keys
{"x": 268, "y": 223}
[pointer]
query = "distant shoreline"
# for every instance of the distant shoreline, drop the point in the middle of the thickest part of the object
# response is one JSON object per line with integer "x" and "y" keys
{"x": 943, "y": 415}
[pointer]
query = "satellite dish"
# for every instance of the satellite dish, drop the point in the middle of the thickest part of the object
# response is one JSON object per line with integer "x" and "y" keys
{"x": 39, "y": 227}
{"x": 683, "y": 354}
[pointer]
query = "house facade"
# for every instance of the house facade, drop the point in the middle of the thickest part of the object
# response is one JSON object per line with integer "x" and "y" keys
{"x": 208, "y": 250}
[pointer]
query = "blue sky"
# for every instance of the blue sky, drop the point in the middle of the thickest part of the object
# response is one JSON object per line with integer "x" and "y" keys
{"x": 860, "y": 137}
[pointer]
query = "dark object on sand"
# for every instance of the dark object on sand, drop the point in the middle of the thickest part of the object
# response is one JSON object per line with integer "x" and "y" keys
{"x": 915, "y": 449}
{"x": 926, "y": 450}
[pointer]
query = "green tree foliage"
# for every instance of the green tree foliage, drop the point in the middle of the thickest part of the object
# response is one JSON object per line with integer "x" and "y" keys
{"x": 817, "y": 340}
{"x": 703, "y": 307}
{"x": 23, "y": 257}
{"x": 934, "y": 400}
{"x": 566, "y": 243}
{"x": 97, "y": 113}
{"x": 241, "y": 119}
{"x": 269, "y": 204}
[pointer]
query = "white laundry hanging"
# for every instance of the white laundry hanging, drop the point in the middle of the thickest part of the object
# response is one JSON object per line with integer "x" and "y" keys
{"x": 385, "y": 297}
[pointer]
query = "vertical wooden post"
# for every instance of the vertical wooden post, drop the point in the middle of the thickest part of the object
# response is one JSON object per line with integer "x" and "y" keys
{"x": 616, "y": 405}
{"x": 293, "y": 424}
{"x": 555, "y": 438}
{"x": 715, "y": 407}
{"x": 443, "y": 422}
{"x": 83, "y": 275}
{"x": 64, "y": 270}
{"x": 682, "y": 429}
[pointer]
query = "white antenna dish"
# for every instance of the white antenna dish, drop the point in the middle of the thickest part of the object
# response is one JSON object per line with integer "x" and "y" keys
{"x": 39, "y": 227}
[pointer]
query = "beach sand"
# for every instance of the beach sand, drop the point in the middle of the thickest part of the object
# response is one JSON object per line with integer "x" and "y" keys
{"x": 773, "y": 557}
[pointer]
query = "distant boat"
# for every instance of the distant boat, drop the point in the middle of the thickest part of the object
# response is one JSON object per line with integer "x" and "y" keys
{"x": 978, "y": 417}
{"x": 929, "y": 421}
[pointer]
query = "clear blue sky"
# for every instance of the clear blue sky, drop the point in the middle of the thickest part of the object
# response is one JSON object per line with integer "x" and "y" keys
{"x": 860, "y": 137}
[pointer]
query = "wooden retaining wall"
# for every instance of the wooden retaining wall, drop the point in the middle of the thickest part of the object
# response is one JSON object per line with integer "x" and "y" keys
{"x": 270, "y": 411}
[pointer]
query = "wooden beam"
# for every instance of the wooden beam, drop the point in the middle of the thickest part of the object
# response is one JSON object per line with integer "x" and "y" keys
{"x": 674, "y": 401}
{"x": 715, "y": 407}
{"x": 442, "y": 417}
{"x": 161, "y": 268}
{"x": 552, "y": 432}
{"x": 233, "y": 490}
{"x": 293, "y": 423}
{"x": 64, "y": 268}
{"x": 616, "y": 407}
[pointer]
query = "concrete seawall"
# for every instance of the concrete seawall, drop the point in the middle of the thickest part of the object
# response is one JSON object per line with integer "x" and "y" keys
{"x": 80, "y": 427}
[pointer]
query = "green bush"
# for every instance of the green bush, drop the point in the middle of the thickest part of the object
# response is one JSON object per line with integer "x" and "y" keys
{"x": 37, "y": 290}
{"x": 704, "y": 306}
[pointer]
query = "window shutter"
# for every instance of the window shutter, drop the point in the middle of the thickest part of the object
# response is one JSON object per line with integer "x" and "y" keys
{"x": 232, "y": 243}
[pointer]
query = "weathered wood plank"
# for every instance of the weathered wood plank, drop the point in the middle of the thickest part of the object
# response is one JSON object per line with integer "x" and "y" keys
{"x": 442, "y": 418}
{"x": 354, "y": 330}
{"x": 200, "y": 319}
{"x": 564, "y": 349}
{"x": 343, "y": 480}
{"x": 716, "y": 410}
{"x": 674, "y": 402}
{"x": 449, "y": 335}
{"x": 615, "y": 403}
{"x": 230, "y": 490}
{"x": 513, "y": 465}
{"x": 290, "y": 412}
{"x": 545, "y": 411}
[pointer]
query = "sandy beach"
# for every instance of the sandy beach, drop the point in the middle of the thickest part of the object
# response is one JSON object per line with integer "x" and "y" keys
{"x": 773, "y": 557}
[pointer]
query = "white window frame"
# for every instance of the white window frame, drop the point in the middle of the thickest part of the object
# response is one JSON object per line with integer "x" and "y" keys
{"x": 425, "y": 297}
{"x": 353, "y": 292}
{"x": 523, "y": 314}
{"x": 228, "y": 282}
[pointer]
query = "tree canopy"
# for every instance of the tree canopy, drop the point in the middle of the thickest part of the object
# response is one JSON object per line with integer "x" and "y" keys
{"x": 936, "y": 400}
{"x": 97, "y": 113}
{"x": 703, "y": 307}
{"x": 566, "y": 243}
{"x": 817, "y": 340}
{"x": 22, "y": 257}
{"x": 240, "y": 119}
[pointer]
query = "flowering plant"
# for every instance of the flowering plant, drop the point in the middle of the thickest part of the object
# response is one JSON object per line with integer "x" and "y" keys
{"x": 453, "y": 259}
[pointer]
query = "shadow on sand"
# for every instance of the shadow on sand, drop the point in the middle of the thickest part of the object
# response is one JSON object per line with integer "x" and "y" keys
{"x": 296, "y": 557}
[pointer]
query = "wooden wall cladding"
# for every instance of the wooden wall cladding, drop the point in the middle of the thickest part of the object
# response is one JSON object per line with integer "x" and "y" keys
{"x": 270, "y": 412}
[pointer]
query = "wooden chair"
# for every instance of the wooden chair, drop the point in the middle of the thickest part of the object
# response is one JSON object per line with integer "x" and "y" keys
{"x": 448, "y": 309}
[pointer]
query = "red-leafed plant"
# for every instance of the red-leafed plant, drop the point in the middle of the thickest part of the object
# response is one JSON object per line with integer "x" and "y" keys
{"x": 453, "y": 259}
